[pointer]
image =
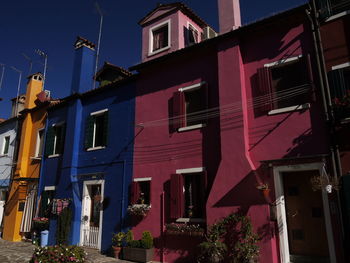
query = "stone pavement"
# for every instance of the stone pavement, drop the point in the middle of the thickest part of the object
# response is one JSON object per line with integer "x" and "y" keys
{"x": 21, "y": 252}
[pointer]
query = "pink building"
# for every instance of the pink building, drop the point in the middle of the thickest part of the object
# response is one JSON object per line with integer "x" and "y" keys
{"x": 220, "y": 117}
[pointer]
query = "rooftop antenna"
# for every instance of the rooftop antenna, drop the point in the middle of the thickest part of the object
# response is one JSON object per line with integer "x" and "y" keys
{"x": 99, "y": 39}
{"x": 2, "y": 74}
{"x": 30, "y": 63}
{"x": 18, "y": 87}
{"x": 43, "y": 55}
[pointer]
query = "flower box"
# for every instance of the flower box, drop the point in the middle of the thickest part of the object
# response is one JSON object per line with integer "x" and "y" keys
{"x": 138, "y": 254}
{"x": 184, "y": 229}
{"x": 139, "y": 209}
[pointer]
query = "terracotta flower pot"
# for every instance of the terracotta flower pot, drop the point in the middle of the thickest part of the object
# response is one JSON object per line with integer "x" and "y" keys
{"x": 116, "y": 251}
{"x": 266, "y": 194}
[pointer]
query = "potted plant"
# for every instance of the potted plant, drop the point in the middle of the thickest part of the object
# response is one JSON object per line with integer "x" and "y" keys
{"x": 139, "y": 250}
{"x": 117, "y": 242}
{"x": 264, "y": 188}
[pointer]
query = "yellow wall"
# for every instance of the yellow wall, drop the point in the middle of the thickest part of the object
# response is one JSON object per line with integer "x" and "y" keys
{"x": 26, "y": 167}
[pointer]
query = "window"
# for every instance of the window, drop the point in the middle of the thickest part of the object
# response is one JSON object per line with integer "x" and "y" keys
{"x": 46, "y": 201}
{"x": 332, "y": 7}
{"x": 6, "y": 145}
{"x": 339, "y": 81}
{"x": 55, "y": 140}
{"x": 187, "y": 194}
{"x": 140, "y": 192}
{"x": 192, "y": 35}
{"x": 96, "y": 131}
{"x": 189, "y": 107}
{"x": 284, "y": 85}
{"x": 39, "y": 143}
{"x": 159, "y": 37}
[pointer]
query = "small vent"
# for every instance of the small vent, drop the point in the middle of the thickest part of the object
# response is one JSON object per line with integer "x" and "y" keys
{"x": 208, "y": 33}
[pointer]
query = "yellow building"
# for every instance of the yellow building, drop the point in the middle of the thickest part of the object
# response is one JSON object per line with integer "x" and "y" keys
{"x": 19, "y": 209}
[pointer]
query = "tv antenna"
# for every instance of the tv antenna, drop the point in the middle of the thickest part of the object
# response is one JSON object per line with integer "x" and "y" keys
{"x": 2, "y": 74}
{"x": 30, "y": 63}
{"x": 18, "y": 87}
{"x": 99, "y": 39}
{"x": 44, "y": 56}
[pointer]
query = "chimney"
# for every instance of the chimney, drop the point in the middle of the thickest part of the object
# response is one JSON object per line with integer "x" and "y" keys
{"x": 83, "y": 68}
{"x": 229, "y": 15}
{"x": 34, "y": 86}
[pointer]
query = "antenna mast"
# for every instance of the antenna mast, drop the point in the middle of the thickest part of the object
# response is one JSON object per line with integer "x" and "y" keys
{"x": 99, "y": 40}
{"x": 2, "y": 74}
{"x": 18, "y": 87}
{"x": 44, "y": 55}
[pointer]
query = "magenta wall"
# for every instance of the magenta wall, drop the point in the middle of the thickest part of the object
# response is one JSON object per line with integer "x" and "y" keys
{"x": 233, "y": 144}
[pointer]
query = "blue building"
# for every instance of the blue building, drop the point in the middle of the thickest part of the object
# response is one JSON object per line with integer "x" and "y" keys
{"x": 88, "y": 152}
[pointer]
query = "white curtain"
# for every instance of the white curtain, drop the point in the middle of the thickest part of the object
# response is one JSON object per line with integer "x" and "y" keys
{"x": 28, "y": 212}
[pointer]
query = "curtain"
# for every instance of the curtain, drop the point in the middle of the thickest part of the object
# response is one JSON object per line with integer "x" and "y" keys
{"x": 28, "y": 212}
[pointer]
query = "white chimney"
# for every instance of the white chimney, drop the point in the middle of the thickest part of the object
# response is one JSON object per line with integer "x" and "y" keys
{"x": 229, "y": 15}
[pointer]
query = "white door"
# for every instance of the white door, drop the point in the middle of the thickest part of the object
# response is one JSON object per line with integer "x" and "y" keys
{"x": 91, "y": 220}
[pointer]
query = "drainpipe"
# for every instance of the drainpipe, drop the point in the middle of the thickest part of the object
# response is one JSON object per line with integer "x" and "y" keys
{"x": 123, "y": 198}
{"x": 326, "y": 97}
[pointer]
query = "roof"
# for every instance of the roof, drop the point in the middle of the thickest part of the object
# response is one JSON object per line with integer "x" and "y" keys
{"x": 241, "y": 30}
{"x": 166, "y": 8}
{"x": 115, "y": 68}
{"x": 83, "y": 42}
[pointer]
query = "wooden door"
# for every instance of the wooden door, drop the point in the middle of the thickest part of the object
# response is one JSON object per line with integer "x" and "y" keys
{"x": 305, "y": 217}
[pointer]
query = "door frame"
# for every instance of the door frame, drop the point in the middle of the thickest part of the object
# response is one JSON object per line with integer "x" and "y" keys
{"x": 85, "y": 192}
{"x": 281, "y": 209}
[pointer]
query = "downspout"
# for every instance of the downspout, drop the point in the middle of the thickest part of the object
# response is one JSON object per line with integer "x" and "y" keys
{"x": 327, "y": 101}
{"x": 123, "y": 198}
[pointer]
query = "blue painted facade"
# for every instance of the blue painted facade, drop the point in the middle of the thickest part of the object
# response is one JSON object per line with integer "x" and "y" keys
{"x": 113, "y": 164}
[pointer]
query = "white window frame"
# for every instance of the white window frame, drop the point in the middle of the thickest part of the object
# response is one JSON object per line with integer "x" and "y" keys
{"x": 191, "y": 88}
{"x": 93, "y": 148}
{"x": 38, "y": 141}
{"x": 281, "y": 209}
{"x": 150, "y": 44}
{"x": 55, "y": 141}
{"x": 4, "y": 145}
{"x": 184, "y": 172}
{"x": 340, "y": 66}
{"x": 301, "y": 107}
{"x": 188, "y": 34}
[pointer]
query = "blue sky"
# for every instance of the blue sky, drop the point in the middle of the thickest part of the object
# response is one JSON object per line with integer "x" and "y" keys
{"x": 52, "y": 26}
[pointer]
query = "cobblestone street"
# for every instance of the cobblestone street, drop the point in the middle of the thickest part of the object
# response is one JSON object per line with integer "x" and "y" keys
{"x": 21, "y": 252}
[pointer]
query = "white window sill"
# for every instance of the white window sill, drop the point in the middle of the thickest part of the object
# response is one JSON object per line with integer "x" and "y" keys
{"x": 190, "y": 220}
{"x": 158, "y": 51}
{"x": 192, "y": 127}
{"x": 290, "y": 109}
{"x": 344, "y": 13}
{"x": 53, "y": 155}
{"x": 95, "y": 148}
{"x": 37, "y": 158}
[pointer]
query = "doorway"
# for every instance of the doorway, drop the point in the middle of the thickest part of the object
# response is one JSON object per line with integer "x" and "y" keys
{"x": 92, "y": 213}
{"x": 303, "y": 216}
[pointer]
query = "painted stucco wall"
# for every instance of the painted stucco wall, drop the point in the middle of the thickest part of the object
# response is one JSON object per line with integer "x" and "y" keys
{"x": 68, "y": 171}
{"x": 8, "y": 128}
{"x": 177, "y": 35}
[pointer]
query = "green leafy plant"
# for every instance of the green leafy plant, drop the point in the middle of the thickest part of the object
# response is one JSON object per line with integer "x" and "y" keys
{"x": 129, "y": 237}
{"x": 58, "y": 253}
{"x": 117, "y": 239}
{"x": 231, "y": 239}
{"x": 63, "y": 226}
{"x": 147, "y": 240}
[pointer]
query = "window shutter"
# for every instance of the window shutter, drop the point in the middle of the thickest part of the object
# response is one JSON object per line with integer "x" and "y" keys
{"x": 337, "y": 83}
{"x": 50, "y": 138}
{"x": 105, "y": 129}
{"x": 134, "y": 192}
{"x": 62, "y": 139}
{"x": 176, "y": 196}
{"x": 178, "y": 120}
{"x": 89, "y": 131}
{"x": 263, "y": 102}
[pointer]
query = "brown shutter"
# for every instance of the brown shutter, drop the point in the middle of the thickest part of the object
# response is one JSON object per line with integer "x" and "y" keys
{"x": 178, "y": 119}
{"x": 263, "y": 101}
{"x": 176, "y": 196}
{"x": 134, "y": 192}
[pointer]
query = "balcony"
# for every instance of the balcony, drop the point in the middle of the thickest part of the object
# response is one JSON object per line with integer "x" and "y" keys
{"x": 329, "y": 8}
